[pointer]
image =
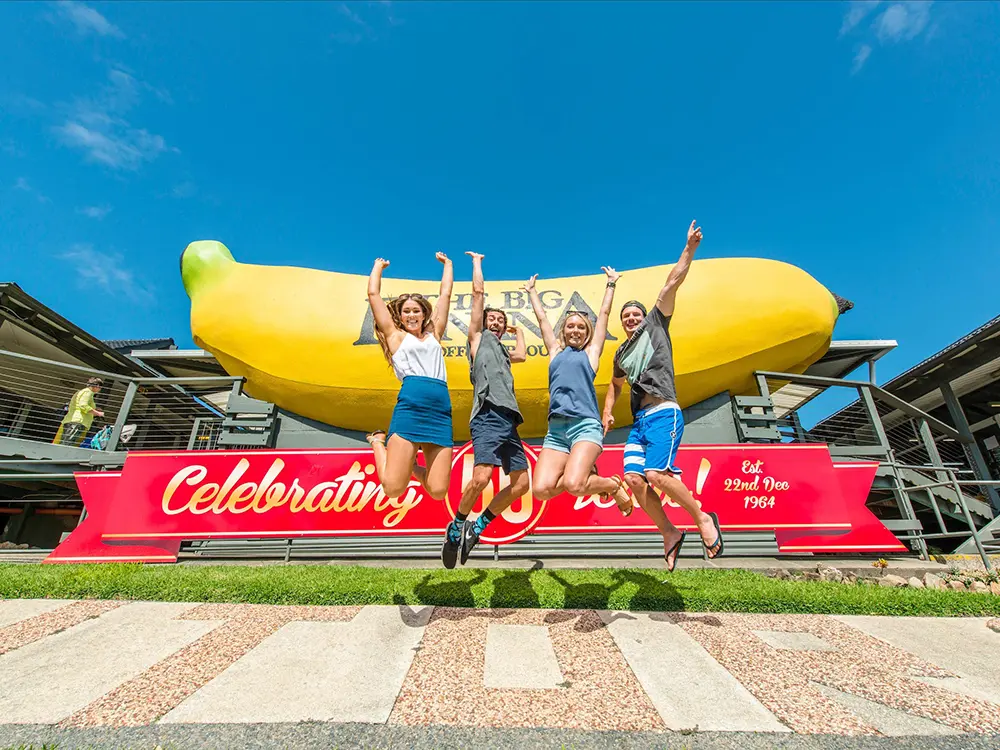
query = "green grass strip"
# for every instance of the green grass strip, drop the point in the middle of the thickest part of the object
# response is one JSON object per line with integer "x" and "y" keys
{"x": 603, "y": 588}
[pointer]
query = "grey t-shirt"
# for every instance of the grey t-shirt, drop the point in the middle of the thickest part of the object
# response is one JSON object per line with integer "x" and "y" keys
{"x": 647, "y": 360}
{"x": 491, "y": 377}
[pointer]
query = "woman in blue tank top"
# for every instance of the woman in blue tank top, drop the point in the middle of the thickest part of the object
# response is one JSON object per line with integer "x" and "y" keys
{"x": 576, "y": 435}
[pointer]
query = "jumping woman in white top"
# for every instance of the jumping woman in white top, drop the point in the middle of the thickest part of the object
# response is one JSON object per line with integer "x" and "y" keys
{"x": 410, "y": 334}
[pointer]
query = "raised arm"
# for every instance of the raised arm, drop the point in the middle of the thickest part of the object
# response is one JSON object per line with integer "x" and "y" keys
{"x": 478, "y": 301}
{"x": 668, "y": 294}
{"x": 548, "y": 335}
{"x": 614, "y": 391}
{"x": 383, "y": 318}
{"x": 601, "y": 329}
{"x": 440, "y": 314}
{"x": 520, "y": 353}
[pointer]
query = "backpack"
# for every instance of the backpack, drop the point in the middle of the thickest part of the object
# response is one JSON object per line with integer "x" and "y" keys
{"x": 100, "y": 441}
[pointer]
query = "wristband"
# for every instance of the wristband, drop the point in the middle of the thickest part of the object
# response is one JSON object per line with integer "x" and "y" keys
{"x": 611, "y": 284}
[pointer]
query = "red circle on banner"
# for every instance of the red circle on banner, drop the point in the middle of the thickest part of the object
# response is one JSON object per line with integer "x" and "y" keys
{"x": 514, "y": 523}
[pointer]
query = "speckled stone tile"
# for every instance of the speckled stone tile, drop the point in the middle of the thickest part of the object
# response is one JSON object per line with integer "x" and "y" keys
{"x": 165, "y": 685}
{"x": 35, "y": 628}
{"x": 861, "y": 665}
{"x": 445, "y": 683}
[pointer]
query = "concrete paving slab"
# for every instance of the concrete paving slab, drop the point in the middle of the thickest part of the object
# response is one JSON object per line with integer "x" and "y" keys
{"x": 520, "y": 656}
{"x": 46, "y": 681}
{"x": 15, "y": 610}
{"x": 792, "y": 641}
{"x": 689, "y": 688}
{"x": 315, "y": 671}
{"x": 963, "y": 645}
{"x": 889, "y": 721}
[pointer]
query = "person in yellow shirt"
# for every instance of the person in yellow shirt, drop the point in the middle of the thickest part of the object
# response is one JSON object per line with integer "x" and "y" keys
{"x": 79, "y": 414}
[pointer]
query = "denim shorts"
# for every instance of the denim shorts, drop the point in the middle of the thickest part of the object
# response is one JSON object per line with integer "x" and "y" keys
{"x": 565, "y": 432}
{"x": 495, "y": 441}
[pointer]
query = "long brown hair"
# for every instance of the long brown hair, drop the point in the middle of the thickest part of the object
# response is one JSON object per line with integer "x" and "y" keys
{"x": 395, "y": 308}
{"x": 561, "y": 334}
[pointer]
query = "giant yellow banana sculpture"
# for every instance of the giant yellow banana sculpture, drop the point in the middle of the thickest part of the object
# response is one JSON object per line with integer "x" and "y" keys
{"x": 304, "y": 339}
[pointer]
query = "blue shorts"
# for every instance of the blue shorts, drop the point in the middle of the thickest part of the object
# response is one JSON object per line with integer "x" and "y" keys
{"x": 565, "y": 432}
{"x": 652, "y": 444}
{"x": 495, "y": 440}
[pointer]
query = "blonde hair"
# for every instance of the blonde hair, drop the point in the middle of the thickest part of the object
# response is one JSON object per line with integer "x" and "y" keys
{"x": 561, "y": 333}
{"x": 395, "y": 310}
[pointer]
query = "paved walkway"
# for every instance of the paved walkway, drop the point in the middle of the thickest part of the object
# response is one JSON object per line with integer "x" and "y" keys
{"x": 80, "y": 671}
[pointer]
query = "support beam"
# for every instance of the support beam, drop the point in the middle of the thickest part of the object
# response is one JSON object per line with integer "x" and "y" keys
{"x": 977, "y": 460}
{"x": 871, "y": 372}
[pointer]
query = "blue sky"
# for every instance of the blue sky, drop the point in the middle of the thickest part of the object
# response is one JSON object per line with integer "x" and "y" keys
{"x": 856, "y": 140}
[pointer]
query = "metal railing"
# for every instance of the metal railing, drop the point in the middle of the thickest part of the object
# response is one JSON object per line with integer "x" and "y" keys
{"x": 921, "y": 455}
{"x": 154, "y": 413}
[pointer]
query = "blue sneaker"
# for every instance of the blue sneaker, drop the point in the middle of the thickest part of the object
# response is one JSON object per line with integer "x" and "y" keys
{"x": 452, "y": 542}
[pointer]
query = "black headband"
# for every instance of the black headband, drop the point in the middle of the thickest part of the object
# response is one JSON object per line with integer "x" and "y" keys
{"x": 634, "y": 303}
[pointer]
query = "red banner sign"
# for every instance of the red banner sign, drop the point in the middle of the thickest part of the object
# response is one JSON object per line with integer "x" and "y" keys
{"x": 159, "y": 499}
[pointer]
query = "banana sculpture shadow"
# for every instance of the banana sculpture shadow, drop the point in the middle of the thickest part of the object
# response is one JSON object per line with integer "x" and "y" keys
{"x": 304, "y": 339}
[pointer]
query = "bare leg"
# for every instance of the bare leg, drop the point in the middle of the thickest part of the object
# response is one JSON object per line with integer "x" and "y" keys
{"x": 518, "y": 487}
{"x": 549, "y": 473}
{"x": 481, "y": 476}
{"x": 580, "y": 480}
{"x": 394, "y": 464}
{"x": 646, "y": 499}
{"x": 437, "y": 476}
{"x": 680, "y": 494}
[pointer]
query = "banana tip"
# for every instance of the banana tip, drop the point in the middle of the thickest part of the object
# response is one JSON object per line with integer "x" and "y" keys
{"x": 202, "y": 261}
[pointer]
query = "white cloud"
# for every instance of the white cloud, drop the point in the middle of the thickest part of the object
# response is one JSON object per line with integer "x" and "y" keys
{"x": 896, "y": 22}
{"x": 365, "y": 19}
{"x": 903, "y": 21}
{"x": 87, "y": 20}
{"x": 25, "y": 187}
{"x": 98, "y": 127}
{"x": 861, "y": 57}
{"x": 856, "y": 14}
{"x": 106, "y": 272}
{"x": 117, "y": 146}
{"x": 351, "y": 15}
{"x": 94, "y": 212}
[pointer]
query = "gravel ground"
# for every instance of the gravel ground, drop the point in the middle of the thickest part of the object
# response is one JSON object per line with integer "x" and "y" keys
{"x": 372, "y": 737}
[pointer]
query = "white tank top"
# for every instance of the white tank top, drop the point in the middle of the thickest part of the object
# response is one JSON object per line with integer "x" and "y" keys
{"x": 416, "y": 357}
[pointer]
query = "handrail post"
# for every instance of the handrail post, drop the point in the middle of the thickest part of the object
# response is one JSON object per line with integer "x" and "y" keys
{"x": 972, "y": 525}
{"x": 126, "y": 406}
{"x": 902, "y": 496}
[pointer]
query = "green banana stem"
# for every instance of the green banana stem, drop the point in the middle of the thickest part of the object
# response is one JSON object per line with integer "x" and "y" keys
{"x": 203, "y": 263}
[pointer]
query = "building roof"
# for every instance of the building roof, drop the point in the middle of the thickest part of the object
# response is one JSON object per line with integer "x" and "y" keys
{"x": 125, "y": 346}
{"x": 29, "y": 327}
{"x": 970, "y": 365}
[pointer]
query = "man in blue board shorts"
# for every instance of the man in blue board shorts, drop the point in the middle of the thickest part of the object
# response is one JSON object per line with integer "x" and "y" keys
{"x": 646, "y": 361}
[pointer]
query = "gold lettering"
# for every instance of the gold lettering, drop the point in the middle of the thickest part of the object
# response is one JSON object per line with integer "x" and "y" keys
{"x": 403, "y": 505}
{"x": 244, "y": 491}
{"x": 273, "y": 498}
{"x": 204, "y": 494}
{"x": 321, "y": 496}
{"x": 265, "y": 483}
{"x": 295, "y": 493}
{"x": 237, "y": 473}
{"x": 187, "y": 475}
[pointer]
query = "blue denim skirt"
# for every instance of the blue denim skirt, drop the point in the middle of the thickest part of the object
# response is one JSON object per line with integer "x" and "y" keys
{"x": 423, "y": 412}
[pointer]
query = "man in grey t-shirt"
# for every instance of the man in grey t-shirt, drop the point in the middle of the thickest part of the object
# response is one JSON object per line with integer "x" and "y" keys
{"x": 646, "y": 361}
{"x": 493, "y": 423}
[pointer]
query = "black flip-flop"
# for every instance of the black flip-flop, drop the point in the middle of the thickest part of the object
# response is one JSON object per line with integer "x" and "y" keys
{"x": 718, "y": 538}
{"x": 676, "y": 548}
